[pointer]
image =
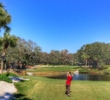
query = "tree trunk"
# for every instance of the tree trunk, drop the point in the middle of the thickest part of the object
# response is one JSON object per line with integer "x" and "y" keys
{"x": 2, "y": 62}
{"x": 86, "y": 62}
{"x": 2, "y": 67}
{"x": 5, "y": 66}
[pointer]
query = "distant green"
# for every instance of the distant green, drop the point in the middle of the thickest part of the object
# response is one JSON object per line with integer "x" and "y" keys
{"x": 55, "y": 69}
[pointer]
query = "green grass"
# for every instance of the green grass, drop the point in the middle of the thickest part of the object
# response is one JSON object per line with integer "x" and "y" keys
{"x": 40, "y": 88}
{"x": 55, "y": 69}
{"x": 5, "y": 77}
{"x": 62, "y": 69}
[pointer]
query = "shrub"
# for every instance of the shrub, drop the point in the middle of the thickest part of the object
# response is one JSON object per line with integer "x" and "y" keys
{"x": 5, "y": 77}
{"x": 102, "y": 67}
{"x": 11, "y": 74}
{"x": 83, "y": 70}
{"x": 106, "y": 73}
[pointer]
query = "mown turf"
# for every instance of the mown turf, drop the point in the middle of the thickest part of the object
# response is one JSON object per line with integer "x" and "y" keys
{"x": 40, "y": 88}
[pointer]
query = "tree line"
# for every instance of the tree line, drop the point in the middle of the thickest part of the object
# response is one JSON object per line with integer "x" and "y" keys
{"x": 30, "y": 53}
{"x": 94, "y": 55}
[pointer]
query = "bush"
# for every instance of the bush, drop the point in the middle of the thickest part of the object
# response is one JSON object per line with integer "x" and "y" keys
{"x": 106, "y": 73}
{"x": 5, "y": 77}
{"x": 11, "y": 74}
{"x": 83, "y": 70}
{"x": 102, "y": 67}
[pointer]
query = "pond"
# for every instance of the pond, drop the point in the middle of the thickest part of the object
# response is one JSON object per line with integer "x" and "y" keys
{"x": 84, "y": 76}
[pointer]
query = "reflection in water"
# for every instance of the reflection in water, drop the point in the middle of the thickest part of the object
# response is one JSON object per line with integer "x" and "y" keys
{"x": 92, "y": 77}
{"x": 87, "y": 77}
{"x": 80, "y": 76}
{"x": 76, "y": 75}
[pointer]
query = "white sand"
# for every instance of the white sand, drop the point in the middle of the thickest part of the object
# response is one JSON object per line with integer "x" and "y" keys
{"x": 6, "y": 90}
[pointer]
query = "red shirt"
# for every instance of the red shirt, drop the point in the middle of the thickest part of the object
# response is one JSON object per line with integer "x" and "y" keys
{"x": 69, "y": 79}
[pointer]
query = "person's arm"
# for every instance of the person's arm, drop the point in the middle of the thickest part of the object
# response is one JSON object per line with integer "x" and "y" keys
{"x": 67, "y": 74}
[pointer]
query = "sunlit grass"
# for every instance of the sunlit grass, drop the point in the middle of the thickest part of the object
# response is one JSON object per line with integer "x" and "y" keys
{"x": 40, "y": 88}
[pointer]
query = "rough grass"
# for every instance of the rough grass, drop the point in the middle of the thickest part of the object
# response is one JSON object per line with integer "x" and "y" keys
{"x": 40, "y": 88}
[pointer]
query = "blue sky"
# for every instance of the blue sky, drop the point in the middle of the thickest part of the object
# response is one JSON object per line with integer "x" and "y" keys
{"x": 60, "y": 24}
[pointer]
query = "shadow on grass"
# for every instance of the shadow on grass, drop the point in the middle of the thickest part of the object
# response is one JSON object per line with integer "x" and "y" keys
{"x": 19, "y": 96}
{"x": 22, "y": 80}
{"x": 5, "y": 96}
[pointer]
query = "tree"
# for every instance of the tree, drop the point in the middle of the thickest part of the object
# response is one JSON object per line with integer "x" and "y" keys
{"x": 64, "y": 56}
{"x": 6, "y": 41}
{"x": 5, "y": 18}
{"x": 85, "y": 54}
{"x": 95, "y": 54}
{"x": 54, "y": 57}
{"x": 85, "y": 57}
{"x": 70, "y": 58}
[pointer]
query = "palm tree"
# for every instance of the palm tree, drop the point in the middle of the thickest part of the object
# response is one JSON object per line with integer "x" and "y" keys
{"x": 5, "y": 18}
{"x": 85, "y": 57}
{"x": 6, "y": 41}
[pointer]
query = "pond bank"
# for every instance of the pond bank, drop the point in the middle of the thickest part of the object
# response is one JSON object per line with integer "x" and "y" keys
{"x": 49, "y": 73}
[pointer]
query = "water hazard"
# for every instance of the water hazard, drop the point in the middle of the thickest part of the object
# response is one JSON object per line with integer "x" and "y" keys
{"x": 84, "y": 76}
{"x": 91, "y": 77}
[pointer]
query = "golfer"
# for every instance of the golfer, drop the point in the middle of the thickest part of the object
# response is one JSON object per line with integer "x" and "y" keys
{"x": 68, "y": 83}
